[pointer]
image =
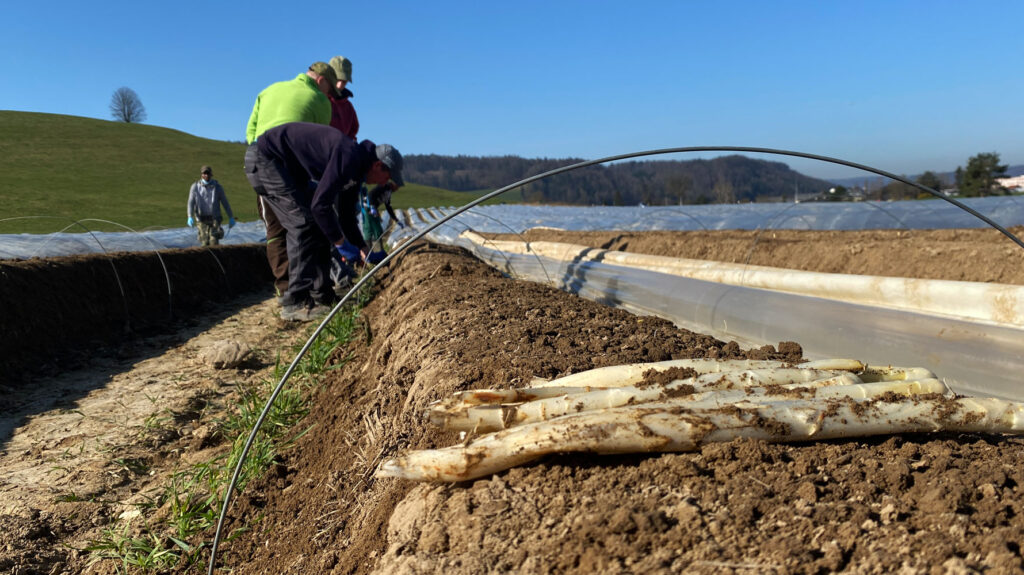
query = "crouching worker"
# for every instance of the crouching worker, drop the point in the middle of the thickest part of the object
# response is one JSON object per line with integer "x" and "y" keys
{"x": 280, "y": 166}
{"x": 373, "y": 227}
{"x": 205, "y": 199}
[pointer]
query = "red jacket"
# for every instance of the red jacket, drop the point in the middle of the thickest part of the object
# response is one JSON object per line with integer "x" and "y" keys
{"x": 343, "y": 115}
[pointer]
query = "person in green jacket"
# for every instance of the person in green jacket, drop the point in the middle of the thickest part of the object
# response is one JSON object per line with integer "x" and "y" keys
{"x": 303, "y": 99}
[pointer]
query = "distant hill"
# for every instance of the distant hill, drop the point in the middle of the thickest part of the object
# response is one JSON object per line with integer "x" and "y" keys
{"x": 138, "y": 175}
{"x": 56, "y": 169}
{"x": 720, "y": 180}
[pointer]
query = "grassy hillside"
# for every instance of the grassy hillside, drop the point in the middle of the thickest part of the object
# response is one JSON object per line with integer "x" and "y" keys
{"x": 70, "y": 168}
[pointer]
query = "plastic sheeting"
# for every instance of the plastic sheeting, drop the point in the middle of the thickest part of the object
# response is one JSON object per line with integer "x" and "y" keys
{"x": 972, "y": 301}
{"x": 929, "y": 214}
{"x": 25, "y": 246}
{"x": 925, "y": 214}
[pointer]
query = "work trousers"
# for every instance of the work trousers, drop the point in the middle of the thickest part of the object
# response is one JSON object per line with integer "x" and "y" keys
{"x": 277, "y": 245}
{"x": 307, "y": 248}
{"x": 208, "y": 231}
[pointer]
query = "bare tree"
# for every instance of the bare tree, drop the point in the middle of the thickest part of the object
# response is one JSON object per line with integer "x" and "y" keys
{"x": 125, "y": 106}
{"x": 724, "y": 192}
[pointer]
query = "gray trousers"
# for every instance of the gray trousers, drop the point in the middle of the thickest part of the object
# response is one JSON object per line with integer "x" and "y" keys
{"x": 308, "y": 248}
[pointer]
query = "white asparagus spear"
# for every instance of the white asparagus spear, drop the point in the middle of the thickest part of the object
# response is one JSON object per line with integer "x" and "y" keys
{"x": 651, "y": 429}
{"x": 890, "y": 373}
{"x": 465, "y": 411}
{"x": 715, "y": 380}
{"x": 487, "y": 418}
{"x": 623, "y": 375}
{"x": 470, "y": 397}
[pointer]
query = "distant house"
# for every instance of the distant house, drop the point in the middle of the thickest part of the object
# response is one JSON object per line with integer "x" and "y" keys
{"x": 1014, "y": 184}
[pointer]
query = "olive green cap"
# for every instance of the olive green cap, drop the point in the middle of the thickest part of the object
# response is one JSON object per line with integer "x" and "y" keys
{"x": 323, "y": 69}
{"x": 342, "y": 68}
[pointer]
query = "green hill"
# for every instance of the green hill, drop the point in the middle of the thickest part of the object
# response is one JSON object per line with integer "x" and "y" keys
{"x": 67, "y": 168}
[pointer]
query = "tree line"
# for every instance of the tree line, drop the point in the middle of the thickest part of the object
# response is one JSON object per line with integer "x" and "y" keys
{"x": 726, "y": 179}
{"x": 977, "y": 179}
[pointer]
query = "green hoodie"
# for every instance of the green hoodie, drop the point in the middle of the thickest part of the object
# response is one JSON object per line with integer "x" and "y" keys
{"x": 297, "y": 100}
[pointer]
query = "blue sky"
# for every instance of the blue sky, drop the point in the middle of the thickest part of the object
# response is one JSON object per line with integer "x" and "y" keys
{"x": 903, "y": 86}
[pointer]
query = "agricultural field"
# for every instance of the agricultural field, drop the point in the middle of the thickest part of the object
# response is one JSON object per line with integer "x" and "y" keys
{"x": 60, "y": 169}
{"x": 88, "y": 450}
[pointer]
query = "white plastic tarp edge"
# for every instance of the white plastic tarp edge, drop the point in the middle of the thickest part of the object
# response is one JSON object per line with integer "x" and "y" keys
{"x": 974, "y": 301}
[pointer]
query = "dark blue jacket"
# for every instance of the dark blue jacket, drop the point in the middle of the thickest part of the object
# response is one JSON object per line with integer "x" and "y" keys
{"x": 335, "y": 161}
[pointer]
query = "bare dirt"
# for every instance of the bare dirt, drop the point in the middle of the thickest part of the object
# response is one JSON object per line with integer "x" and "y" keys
{"x": 72, "y": 457}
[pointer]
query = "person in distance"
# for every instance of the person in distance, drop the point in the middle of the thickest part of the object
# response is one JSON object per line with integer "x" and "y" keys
{"x": 205, "y": 198}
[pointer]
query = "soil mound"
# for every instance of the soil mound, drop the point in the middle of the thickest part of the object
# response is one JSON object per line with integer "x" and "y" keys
{"x": 58, "y": 311}
{"x": 444, "y": 322}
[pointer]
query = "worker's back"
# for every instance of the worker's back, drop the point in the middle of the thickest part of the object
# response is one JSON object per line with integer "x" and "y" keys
{"x": 297, "y": 100}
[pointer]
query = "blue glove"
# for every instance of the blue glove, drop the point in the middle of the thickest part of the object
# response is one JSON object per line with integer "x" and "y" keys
{"x": 231, "y": 222}
{"x": 349, "y": 252}
{"x": 191, "y": 222}
{"x": 376, "y": 257}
